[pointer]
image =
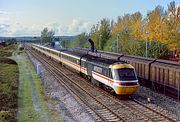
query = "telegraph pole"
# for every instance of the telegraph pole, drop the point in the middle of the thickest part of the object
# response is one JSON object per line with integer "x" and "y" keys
{"x": 147, "y": 33}
{"x": 117, "y": 43}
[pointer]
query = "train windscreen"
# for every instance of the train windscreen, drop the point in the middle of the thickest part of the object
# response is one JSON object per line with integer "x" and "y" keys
{"x": 124, "y": 74}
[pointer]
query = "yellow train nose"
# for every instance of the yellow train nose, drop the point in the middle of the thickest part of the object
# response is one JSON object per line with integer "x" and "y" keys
{"x": 126, "y": 90}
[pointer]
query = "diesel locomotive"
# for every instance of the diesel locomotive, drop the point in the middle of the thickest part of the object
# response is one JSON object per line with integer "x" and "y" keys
{"x": 116, "y": 75}
{"x": 160, "y": 75}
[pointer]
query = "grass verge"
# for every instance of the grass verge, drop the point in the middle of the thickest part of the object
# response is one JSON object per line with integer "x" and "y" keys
{"x": 32, "y": 103}
{"x": 27, "y": 106}
{"x": 21, "y": 89}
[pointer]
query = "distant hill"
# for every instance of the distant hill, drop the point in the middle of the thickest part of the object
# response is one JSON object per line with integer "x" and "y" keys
{"x": 20, "y": 38}
{"x": 30, "y": 38}
{"x": 4, "y": 38}
{"x": 66, "y": 37}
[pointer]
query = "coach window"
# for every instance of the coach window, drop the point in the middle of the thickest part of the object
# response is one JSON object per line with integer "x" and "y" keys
{"x": 69, "y": 58}
{"x": 110, "y": 74}
{"x": 78, "y": 62}
{"x": 83, "y": 64}
{"x": 72, "y": 60}
{"x": 105, "y": 72}
{"x": 64, "y": 56}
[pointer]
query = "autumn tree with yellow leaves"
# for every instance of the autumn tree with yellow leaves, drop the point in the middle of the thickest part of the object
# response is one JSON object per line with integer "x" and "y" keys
{"x": 129, "y": 33}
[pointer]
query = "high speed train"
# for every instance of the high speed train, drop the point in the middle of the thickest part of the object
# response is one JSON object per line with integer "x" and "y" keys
{"x": 116, "y": 75}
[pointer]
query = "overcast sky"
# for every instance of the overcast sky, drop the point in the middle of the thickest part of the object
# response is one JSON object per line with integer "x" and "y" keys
{"x": 66, "y": 17}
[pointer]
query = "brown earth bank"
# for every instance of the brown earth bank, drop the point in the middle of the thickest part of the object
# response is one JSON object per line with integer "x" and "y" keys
{"x": 8, "y": 90}
{"x": 7, "y": 61}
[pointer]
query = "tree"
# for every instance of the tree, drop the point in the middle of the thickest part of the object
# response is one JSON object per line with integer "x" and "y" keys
{"x": 95, "y": 35}
{"x": 81, "y": 41}
{"x": 66, "y": 43}
{"x": 122, "y": 22}
{"x": 156, "y": 25}
{"x": 173, "y": 23}
{"x": 127, "y": 44}
{"x": 11, "y": 40}
{"x": 104, "y": 32}
{"x": 111, "y": 44}
{"x": 47, "y": 36}
{"x": 100, "y": 33}
{"x": 136, "y": 25}
{"x": 129, "y": 31}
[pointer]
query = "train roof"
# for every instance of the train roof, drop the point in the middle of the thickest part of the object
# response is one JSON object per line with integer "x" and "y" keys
{"x": 102, "y": 61}
{"x": 61, "y": 49}
{"x": 47, "y": 48}
{"x": 73, "y": 54}
{"x": 93, "y": 59}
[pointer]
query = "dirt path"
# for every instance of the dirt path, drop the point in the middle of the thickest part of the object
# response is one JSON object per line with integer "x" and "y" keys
{"x": 35, "y": 99}
{"x": 32, "y": 104}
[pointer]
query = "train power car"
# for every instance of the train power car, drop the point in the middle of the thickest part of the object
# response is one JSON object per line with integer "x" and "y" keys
{"x": 117, "y": 75}
{"x": 161, "y": 75}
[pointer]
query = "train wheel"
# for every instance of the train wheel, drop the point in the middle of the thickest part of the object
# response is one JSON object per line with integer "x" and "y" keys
{"x": 93, "y": 81}
{"x": 97, "y": 83}
{"x": 81, "y": 74}
{"x": 101, "y": 85}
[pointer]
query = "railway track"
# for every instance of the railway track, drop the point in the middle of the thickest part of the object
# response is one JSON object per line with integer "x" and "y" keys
{"x": 99, "y": 111}
{"x": 103, "y": 106}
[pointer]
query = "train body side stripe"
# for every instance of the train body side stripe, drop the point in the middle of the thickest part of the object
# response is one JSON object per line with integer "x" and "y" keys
{"x": 67, "y": 62}
{"x": 104, "y": 77}
{"x": 59, "y": 58}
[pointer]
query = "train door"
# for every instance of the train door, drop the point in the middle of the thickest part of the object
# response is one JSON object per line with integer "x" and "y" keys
{"x": 81, "y": 64}
{"x": 89, "y": 68}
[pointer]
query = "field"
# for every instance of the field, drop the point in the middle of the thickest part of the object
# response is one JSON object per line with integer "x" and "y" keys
{"x": 9, "y": 84}
{"x": 22, "y": 96}
{"x": 7, "y": 50}
{"x": 8, "y": 90}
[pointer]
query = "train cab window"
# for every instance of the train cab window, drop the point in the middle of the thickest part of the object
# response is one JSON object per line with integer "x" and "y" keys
{"x": 124, "y": 74}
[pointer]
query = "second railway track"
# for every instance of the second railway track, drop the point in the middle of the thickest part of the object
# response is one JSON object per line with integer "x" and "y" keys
{"x": 99, "y": 104}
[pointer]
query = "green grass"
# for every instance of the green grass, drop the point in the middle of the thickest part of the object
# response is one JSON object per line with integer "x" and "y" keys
{"x": 27, "y": 112}
{"x": 40, "y": 92}
{"x": 26, "y": 107}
